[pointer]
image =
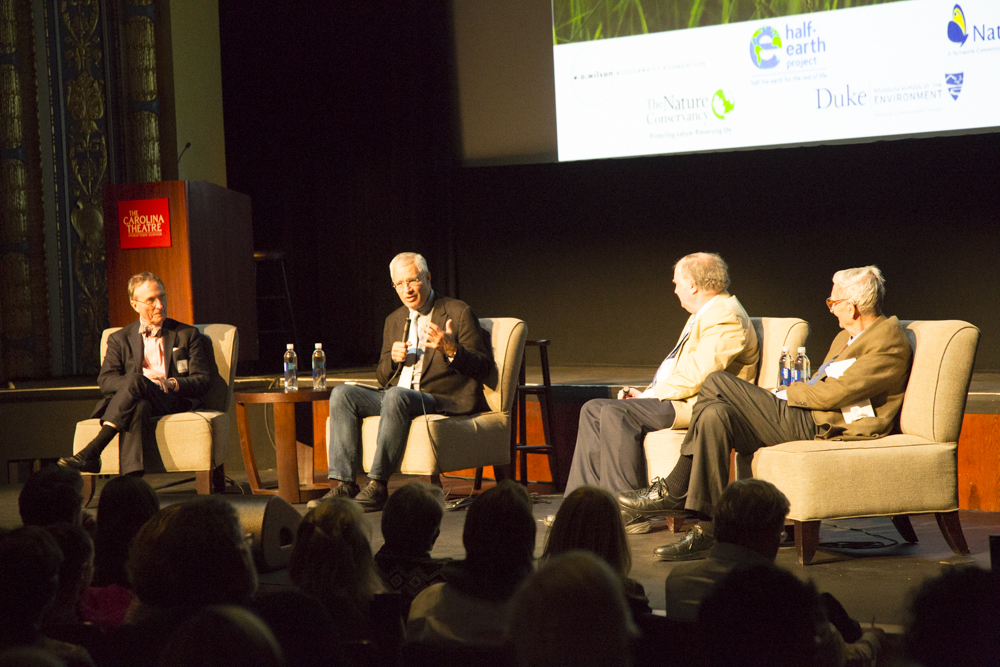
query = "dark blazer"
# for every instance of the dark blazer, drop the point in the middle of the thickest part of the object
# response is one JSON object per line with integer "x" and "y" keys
{"x": 457, "y": 386}
{"x": 180, "y": 342}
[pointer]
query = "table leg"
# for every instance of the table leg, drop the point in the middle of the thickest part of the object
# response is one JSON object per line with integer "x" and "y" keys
{"x": 284, "y": 437}
{"x": 321, "y": 410}
{"x": 249, "y": 460}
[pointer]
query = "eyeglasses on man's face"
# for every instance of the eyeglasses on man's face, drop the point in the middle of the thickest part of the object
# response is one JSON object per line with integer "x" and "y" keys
{"x": 415, "y": 283}
{"x": 830, "y": 303}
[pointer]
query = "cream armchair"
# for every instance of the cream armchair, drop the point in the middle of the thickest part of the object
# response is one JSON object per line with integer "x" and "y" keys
{"x": 187, "y": 441}
{"x": 439, "y": 443}
{"x": 663, "y": 448}
{"x": 913, "y": 472}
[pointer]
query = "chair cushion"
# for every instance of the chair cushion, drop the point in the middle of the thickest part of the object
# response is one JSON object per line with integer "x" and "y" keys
{"x": 663, "y": 448}
{"x": 453, "y": 443}
{"x": 898, "y": 474}
{"x": 180, "y": 439}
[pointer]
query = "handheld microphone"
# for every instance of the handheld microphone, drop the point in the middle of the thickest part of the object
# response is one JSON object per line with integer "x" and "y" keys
{"x": 406, "y": 330}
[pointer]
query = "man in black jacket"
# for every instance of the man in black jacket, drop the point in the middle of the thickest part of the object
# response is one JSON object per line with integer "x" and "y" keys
{"x": 153, "y": 367}
{"x": 434, "y": 360}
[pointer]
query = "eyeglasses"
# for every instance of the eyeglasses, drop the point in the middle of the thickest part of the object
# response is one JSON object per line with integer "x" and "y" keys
{"x": 830, "y": 303}
{"x": 409, "y": 282}
{"x": 151, "y": 301}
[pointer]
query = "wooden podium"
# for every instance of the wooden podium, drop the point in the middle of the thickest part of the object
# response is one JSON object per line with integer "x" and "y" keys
{"x": 205, "y": 258}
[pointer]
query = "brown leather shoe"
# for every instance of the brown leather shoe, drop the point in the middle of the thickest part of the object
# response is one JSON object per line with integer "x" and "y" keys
{"x": 373, "y": 497}
{"x": 77, "y": 462}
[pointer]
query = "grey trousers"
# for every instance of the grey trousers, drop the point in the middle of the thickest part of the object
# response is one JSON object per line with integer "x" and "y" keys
{"x": 734, "y": 414}
{"x": 609, "y": 451}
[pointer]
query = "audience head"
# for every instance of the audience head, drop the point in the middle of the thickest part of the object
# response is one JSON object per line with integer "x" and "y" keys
{"x": 332, "y": 559}
{"x": 954, "y": 620}
{"x": 29, "y": 656}
{"x": 126, "y": 504}
{"x": 53, "y": 494}
{"x": 499, "y": 535}
{"x": 707, "y": 270}
{"x": 864, "y": 287}
{"x": 192, "y": 554}
{"x": 751, "y": 513}
{"x": 76, "y": 571}
{"x": 297, "y": 620}
{"x": 572, "y": 611}
{"x": 222, "y": 636}
{"x": 590, "y": 519}
{"x": 411, "y": 520}
{"x": 780, "y": 620}
{"x": 29, "y": 578}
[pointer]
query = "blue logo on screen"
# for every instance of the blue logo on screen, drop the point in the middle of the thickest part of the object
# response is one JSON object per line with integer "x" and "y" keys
{"x": 764, "y": 46}
{"x": 954, "y": 83}
{"x": 957, "y": 32}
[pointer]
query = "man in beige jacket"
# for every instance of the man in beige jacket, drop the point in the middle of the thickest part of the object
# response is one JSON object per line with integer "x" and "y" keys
{"x": 855, "y": 395}
{"x": 718, "y": 337}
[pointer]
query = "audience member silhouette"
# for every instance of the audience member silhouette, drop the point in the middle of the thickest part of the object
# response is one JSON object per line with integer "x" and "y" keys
{"x": 471, "y": 607}
{"x": 186, "y": 557}
{"x": 29, "y": 578}
{"x": 297, "y": 621}
{"x": 955, "y": 621}
{"x": 572, "y": 611}
{"x": 75, "y": 573}
{"x": 591, "y": 519}
{"x": 223, "y": 636}
{"x": 51, "y": 495}
{"x": 411, "y": 523}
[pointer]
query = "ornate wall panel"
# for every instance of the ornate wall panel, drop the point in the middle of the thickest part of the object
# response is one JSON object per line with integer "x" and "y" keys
{"x": 143, "y": 103}
{"x": 24, "y": 327}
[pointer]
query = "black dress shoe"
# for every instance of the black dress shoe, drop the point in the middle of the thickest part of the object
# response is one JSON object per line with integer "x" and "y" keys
{"x": 373, "y": 497}
{"x": 635, "y": 523}
{"x": 694, "y": 546}
{"x": 651, "y": 501}
{"x": 77, "y": 462}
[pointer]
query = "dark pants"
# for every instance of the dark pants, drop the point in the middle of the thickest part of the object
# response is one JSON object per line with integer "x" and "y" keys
{"x": 609, "y": 451}
{"x": 734, "y": 414}
{"x": 133, "y": 409}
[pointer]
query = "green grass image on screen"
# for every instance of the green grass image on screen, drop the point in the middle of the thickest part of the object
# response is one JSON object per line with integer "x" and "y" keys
{"x": 587, "y": 20}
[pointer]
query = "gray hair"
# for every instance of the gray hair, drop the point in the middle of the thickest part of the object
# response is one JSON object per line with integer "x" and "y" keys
{"x": 707, "y": 270}
{"x": 747, "y": 509}
{"x": 141, "y": 279}
{"x": 864, "y": 287}
{"x": 404, "y": 258}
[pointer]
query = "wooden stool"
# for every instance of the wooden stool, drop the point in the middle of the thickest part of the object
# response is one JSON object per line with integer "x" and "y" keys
{"x": 544, "y": 393}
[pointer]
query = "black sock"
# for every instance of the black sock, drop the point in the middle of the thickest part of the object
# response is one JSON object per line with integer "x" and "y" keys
{"x": 96, "y": 446}
{"x": 679, "y": 477}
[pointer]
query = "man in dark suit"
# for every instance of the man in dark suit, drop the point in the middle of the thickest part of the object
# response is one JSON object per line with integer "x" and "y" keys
{"x": 434, "y": 360}
{"x": 153, "y": 367}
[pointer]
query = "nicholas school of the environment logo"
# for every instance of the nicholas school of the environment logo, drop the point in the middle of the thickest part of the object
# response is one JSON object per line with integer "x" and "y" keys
{"x": 957, "y": 31}
{"x": 764, "y": 47}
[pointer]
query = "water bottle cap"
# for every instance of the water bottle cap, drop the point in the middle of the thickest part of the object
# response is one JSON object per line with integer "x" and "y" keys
{"x": 290, "y": 346}
{"x": 319, "y": 346}
{"x": 784, "y": 348}
{"x": 802, "y": 349}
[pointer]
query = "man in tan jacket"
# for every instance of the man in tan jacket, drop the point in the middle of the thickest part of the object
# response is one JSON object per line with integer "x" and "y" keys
{"x": 856, "y": 394}
{"x": 718, "y": 337}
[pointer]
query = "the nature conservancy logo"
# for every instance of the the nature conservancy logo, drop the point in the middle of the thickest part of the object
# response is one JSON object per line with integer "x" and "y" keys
{"x": 720, "y": 105}
{"x": 957, "y": 30}
{"x": 764, "y": 48}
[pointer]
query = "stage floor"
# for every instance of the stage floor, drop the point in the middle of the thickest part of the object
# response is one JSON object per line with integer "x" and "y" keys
{"x": 872, "y": 583}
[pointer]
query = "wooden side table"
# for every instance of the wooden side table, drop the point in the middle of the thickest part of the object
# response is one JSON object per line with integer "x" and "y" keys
{"x": 293, "y": 465}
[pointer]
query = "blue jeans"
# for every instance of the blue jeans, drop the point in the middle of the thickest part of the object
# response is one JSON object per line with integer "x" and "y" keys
{"x": 349, "y": 405}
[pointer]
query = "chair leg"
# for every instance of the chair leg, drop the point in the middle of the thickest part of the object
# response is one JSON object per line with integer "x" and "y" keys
{"x": 89, "y": 484}
{"x": 219, "y": 479}
{"x": 806, "y": 540}
{"x": 478, "y": 484}
{"x": 905, "y": 528}
{"x": 203, "y": 482}
{"x": 436, "y": 479}
{"x": 951, "y": 528}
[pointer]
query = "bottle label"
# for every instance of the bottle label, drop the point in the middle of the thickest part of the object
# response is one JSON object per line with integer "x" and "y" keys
{"x": 796, "y": 375}
{"x": 786, "y": 376}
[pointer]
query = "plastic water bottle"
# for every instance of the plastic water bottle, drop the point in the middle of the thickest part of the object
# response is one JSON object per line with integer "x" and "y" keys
{"x": 291, "y": 369}
{"x": 319, "y": 367}
{"x": 785, "y": 368}
{"x": 802, "y": 371}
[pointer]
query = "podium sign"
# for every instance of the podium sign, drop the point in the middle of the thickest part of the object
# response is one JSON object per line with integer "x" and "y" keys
{"x": 144, "y": 223}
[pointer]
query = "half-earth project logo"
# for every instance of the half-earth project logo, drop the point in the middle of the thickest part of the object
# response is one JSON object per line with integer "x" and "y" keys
{"x": 720, "y": 105}
{"x": 764, "y": 47}
{"x": 957, "y": 30}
